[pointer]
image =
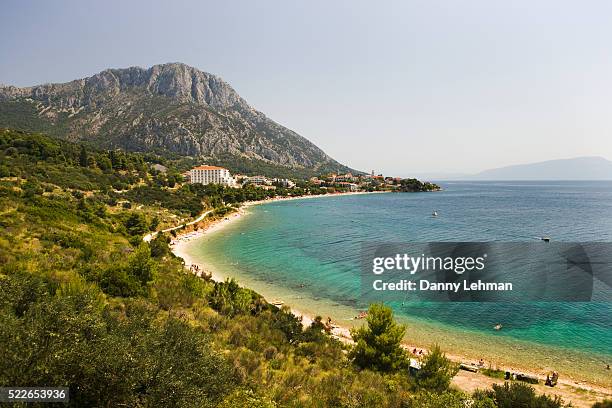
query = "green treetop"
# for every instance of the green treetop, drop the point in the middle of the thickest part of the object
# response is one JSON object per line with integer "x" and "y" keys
{"x": 378, "y": 346}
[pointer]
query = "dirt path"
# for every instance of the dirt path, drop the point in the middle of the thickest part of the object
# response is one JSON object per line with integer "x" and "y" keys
{"x": 150, "y": 236}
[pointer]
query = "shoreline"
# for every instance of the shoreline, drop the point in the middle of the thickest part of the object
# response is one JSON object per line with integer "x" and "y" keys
{"x": 216, "y": 225}
{"x": 567, "y": 387}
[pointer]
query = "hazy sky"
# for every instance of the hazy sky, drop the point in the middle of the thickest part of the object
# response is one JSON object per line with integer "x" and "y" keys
{"x": 396, "y": 86}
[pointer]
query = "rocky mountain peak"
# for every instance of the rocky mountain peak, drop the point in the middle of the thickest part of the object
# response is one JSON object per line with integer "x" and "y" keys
{"x": 171, "y": 107}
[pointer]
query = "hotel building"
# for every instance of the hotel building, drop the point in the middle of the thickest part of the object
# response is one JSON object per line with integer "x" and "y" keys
{"x": 211, "y": 175}
{"x": 259, "y": 181}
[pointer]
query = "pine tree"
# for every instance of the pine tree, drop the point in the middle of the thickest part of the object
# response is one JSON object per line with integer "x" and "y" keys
{"x": 83, "y": 157}
{"x": 378, "y": 346}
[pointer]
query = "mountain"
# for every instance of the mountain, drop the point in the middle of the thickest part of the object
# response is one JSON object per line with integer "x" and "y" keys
{"x": 579, "y": 168}
{"x": 171, "y": 108}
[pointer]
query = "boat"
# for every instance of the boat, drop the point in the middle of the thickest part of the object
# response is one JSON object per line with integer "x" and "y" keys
{"x": 434, "y": 214}
{"x": 498, "y": 326}
{"x": 469, "y": 367}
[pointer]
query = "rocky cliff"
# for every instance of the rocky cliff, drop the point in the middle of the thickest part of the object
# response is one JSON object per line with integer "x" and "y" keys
{"x": 170, "y": 107}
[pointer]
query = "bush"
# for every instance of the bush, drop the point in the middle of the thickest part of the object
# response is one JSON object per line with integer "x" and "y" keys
{"x": 436, "y": 371}
{"x": 517, "y": 395}
{"x": 494, "y": 373}
{"x": 136, "y": 224}
{"x": 141, "y": 265}
{"x": 438, "y": 400}
{"x": 130, "y": 278}
{"x": 315, "y": 332}
{"x": 116, "y": 281}
{"x": 285, "y": 321}
{"x": 230, "y": 299}
{"x": 31, "y": 189}
{"x": 160, "y": 246}
{"x": 246, "y": 398}
{"x": 107, "y": 358}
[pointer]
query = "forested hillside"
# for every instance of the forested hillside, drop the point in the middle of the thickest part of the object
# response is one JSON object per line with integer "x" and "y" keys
{"x": 85, "y": 303}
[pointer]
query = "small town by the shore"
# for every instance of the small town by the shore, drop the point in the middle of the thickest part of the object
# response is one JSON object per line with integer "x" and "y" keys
{"x": 322, "y": 184}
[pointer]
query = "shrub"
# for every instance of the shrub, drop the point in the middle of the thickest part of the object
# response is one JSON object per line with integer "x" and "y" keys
{"x": 246, "y": 398}
{"x": 136, "y": 224}
{"x": 141, "y": 265}
{"x": 494, "y": 373}
{"x": 115, "y": 281}
{"x": 31, "y": 189}
{"x": 521, "y": 395}
{"x": 436, "y": 371}
{"x": 134, "y": 358}
{"x": 315, "y": 332}
{"x": 288, "y": 323}
{"x": 230, "y": 299}
{"x": 160, "y": 246}
{"x": 438, "y": 400}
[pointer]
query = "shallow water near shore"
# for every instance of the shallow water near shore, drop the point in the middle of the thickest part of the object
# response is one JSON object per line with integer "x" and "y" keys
{"x": 306, "y": 252}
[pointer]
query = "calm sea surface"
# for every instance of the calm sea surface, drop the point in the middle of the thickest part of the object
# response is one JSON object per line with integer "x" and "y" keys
{"x": 309, "y": 250}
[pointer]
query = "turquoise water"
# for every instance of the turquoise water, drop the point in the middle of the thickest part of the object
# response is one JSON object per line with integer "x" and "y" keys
{"x": 311, "y": 248}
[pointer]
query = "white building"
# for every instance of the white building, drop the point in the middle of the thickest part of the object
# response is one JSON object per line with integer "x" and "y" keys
{"x": 259, "y": 181}
{"x": 211, "y": 175}
{"x": 348, "y": 177}
{"x": 284, "y": 182}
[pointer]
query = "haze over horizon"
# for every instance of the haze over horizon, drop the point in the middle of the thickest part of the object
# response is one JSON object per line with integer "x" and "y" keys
{"x": 400, "y": 88}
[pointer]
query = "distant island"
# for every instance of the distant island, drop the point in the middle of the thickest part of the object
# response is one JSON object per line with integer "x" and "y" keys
{"x": 579, "y": 168}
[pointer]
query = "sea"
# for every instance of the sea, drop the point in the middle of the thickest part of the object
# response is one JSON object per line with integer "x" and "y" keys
{"x": 308, "y": 252}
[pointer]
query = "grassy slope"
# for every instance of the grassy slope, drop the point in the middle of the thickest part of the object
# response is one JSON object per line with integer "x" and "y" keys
{"x": 86, "y": 304}
{"x": 176, "y": 340}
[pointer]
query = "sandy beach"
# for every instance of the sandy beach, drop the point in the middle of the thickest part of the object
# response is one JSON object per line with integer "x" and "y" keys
{"x": 201, "y": 227}
{"x": 580, "y": 393}
{"x": 177, "y": 245}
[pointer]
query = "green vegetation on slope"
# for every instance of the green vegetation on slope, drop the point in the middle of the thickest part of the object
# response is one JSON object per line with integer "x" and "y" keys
{"x": 414, "y": 185}
{"x": 87, "y": 304}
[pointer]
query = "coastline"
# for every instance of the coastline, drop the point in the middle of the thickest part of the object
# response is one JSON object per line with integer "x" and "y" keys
{"x": 581, "y": 393}
{"x": 340, "y": 332}
{"x": 178, "y": 243}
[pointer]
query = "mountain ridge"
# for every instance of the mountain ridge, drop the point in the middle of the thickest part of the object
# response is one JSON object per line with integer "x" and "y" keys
{"x": 576, "y": 168}
{"x": 170, "y": 107}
